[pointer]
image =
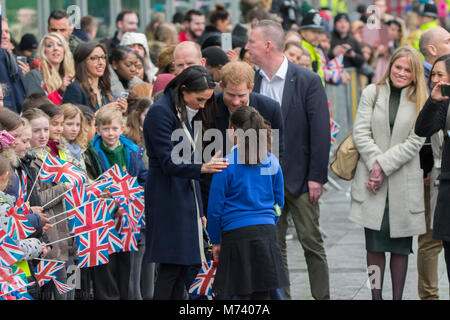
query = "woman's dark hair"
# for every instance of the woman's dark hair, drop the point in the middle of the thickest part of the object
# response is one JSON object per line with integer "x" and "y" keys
{"x": 80, "y": 56}
{"x": 118, "y": 54}
{"x": 219, "y": 13}
{"x": 446, "y": 59}
{"x": 398, "y": 24}
{"x": 9, "y": 120}
{"x": 194, "y": 79}
{"x": 51, "y": 110}
{"x": 248, "y": 118}
{"x": 142, "y": 60}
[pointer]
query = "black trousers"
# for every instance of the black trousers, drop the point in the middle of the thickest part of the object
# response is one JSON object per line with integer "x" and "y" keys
{"x": 112, "y": 280}
{"x": 170, "y": 282}
{"x": 446, "y": 245}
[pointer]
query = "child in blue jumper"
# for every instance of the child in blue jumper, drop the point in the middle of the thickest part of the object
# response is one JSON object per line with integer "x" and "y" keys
{"x": 243, "y": 208}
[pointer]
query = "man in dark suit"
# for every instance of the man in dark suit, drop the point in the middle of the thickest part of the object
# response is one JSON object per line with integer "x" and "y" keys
{"x": 307, "y": 144}
{"x": 237, "y": 85}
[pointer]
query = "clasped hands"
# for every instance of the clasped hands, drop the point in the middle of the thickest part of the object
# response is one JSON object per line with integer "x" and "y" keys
{"x": 376, "y": 178}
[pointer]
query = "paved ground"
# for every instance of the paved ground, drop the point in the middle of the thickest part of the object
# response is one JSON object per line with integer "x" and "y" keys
{"x": 346, "y": 256}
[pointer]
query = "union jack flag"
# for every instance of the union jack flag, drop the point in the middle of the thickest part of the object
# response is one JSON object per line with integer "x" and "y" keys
{"x": 19, "y": 227}
{"x": 116, "y": 174}
{"x": 93, "y": 247}
{"x": 115, "y": 241}
{"x": 130, "y": 239}
{"x": 334, "y": 130}
{"x": 22, "y": 189}
{"x": 46, "y": 270}
{"x": 98, "y": 187}
{"x": 334, "y": 70}
{"x": 10, "y": 253}
{"x": 88, "y": 216}
{"x": 203, "y": 283}
{"x": 126, "y": 190}
{"x": 76, "y": 197}
{"x": 12, "y": 278}
{"x": 133, "y": 214}
{"x": 61, "y": 287}
{"x": 57, "y": 170}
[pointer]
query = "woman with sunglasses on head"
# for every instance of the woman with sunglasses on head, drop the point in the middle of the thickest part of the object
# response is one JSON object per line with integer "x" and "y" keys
{"x": 92, "y": 85}
{"x": 56, "y": 69}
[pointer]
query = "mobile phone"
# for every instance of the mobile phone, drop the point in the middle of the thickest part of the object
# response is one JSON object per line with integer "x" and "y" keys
{"x": 445, "y": 90}
{"x": 23, "y": 59}
{"x": 124, "y": 95}
{"x": 226, "y": 42}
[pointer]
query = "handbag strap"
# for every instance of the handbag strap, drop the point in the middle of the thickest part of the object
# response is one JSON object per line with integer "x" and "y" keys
{"x": 376, "y": 96}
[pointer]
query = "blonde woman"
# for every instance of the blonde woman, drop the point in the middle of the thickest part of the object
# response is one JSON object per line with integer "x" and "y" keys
{"x": 56, "y": 69}
{"x": 387, "y": 189}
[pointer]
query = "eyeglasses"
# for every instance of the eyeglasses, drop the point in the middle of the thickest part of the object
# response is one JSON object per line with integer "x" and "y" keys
{"x": 96, "y": 59}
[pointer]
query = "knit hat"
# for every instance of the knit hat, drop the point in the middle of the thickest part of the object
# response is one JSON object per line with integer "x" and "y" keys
{"x": 312, "y": 20}
{"x": 28, "y": 42}
{"x": 215, "y": 56}
{"x": 428, "y": 10}
{"x": 340, "y": 16}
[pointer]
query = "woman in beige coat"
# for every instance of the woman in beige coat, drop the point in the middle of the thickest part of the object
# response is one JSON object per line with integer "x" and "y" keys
{"x": 387, "y": 190}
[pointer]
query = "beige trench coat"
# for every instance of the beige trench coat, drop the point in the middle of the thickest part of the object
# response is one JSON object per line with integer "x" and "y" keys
{"x": 398, "y": 156}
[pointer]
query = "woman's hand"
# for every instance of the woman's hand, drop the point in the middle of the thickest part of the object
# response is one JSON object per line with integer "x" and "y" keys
{"x": 376, "y": 178}
{"x": 122, "y": 105}
{"x": 215, "y": 165}
{"x": 67, "y": 80}
{"x": 232, "y": 55}
{"x": 25, "y": 67}
{"x": 436, "y": 93}
{"x": 216, "y": 251}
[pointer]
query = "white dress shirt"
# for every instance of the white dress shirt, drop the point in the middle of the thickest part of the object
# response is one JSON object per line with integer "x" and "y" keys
{"x": 274, "y": 88}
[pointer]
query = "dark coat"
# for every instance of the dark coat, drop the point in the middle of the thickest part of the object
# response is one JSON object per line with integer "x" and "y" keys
{"x": 357, "y": 60}
{"x": 11, "y": 76}
{"x": 433, "y": 118}
{"x": 269, "y": 109}
{"x": 75, "y": 95}
{"x": 306, "y": 125}
{"x": 171, "y": 214}
{"x": 135, "y": 165}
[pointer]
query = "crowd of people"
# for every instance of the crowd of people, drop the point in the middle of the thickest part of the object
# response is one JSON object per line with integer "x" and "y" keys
{"x": 133, "y": 99}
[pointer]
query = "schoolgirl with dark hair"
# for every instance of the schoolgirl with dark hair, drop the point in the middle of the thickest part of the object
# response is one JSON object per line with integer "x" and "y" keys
{"x": 245, "y": 202}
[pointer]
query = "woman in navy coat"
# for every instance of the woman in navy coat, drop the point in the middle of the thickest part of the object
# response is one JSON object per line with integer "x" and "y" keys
{"x": 172, "y": 194}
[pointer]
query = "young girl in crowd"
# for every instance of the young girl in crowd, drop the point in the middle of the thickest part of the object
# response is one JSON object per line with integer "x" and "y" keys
{"x": 62, "y": 251}
{"x": 56, "y": 129}
{"x": 244, "y": 206}
{"x": 32, "y": 247}
{"x": 74, "y": 139}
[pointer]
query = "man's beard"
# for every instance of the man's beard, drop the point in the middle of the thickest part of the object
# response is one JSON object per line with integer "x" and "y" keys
{"x": 193, "y": 34}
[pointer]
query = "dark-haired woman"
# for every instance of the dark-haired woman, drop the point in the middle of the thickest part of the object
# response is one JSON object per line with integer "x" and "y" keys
{"x": 124, "y": 70}
{"x": 92, "y": 85}
{"x": 433, "y": 118}
{"x": 173, "y": 205}
{"x": 242, "y": 213}
{"x": 219, "y": 22}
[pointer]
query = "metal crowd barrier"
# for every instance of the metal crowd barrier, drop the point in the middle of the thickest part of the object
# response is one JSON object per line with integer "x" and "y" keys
{"x": 344, "y": 103}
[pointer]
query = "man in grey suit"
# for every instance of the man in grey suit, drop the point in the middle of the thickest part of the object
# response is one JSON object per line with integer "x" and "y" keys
{"x": 306, "y": 122}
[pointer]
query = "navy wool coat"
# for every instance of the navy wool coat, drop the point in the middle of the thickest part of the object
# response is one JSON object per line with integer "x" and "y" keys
{"x": 306, "y": 126}
{"x": 171, "y": 213}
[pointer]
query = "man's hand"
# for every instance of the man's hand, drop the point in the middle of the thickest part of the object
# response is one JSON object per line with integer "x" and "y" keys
{"x": 315, "y": 191}
{"x": 216, "y": 251}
